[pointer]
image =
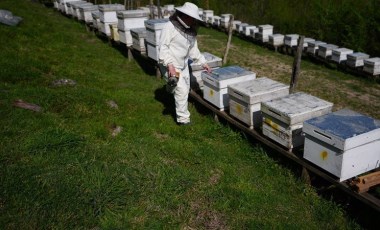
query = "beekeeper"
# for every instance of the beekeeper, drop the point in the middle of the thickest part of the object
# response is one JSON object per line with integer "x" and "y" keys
{"x": 178, "y": 44}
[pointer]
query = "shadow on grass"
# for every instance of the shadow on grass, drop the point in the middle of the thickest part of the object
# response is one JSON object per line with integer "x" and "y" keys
{"x": 167, "y": 100}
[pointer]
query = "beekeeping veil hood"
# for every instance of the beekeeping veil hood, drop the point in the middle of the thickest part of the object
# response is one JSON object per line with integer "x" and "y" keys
{"x": 190, "y": 9}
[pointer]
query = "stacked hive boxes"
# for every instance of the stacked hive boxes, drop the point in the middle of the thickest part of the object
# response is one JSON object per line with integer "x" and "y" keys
{"x": 216, "y": 83}
{"x": 225, "y": 20}
{"x": 264, "y": 32}
{"x": 153, "y": 33}
{"x": 313, "y": 46}
{"x": 63, "y": 7}
{"x": 216, "y": 21}
{"x": 196, "y": 69}
{"x": 240, "y": 27}
{"x": 372, "y": 66}
{"x": 130, "y": 19}
{"x": 356, "y": 59}
{"x": 340, "y": 54}
{"x": 235, "y": 25}
{"x": 138, "y": 39}
{"x": 283, "y": 117}
{"x": 325, "y": 50}
{"x": 75, "y": 6}
{"x": 247, "y": 30}
{"x": 85, "y": 13}
{"x": 246, "y": 97}
{"x": 70, "y": 8}
{"x": 207, "y": 16}
{"x": 253, "y": 32}
{"x": 291, "y": 40}
{"x": 108, "y": 16}
{"x": 276, "y": 39}
{"x": 305, "y": 43}
{"x": 344, "y": 143}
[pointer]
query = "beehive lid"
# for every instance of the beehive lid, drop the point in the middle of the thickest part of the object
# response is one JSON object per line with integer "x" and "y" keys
{"x": 342, "y": 51}
{"x": 258, "y": 90}
{"x": 156, "y": 24}
{"x": 315, "y": 43}
{"x": 95, "y": 14}
{"x": 140, "y": 32}
{"x": 276, "y": 36}
{"x": 344, "y": 129}
{"x": 71, "y": 3}
{"x": 296, "y": 108}
{"x": 372, "y": 61}
{"x": 224, "y": 76}
{"x": 357, "y": 56}
{"x": 291, "y": 36}
{"x": 111, "y": 7}
{"x": 77, "y": 5}
{"x": 327, "y": 46}
{"x": 208, "y": 11}
{"x": 265, "y": 27}
{"x": 89, "y": 8}
{"x": 212, "y": 60}
{"x": 132, "y": 14}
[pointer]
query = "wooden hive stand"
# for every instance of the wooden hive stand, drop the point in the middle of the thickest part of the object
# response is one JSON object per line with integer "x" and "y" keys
{"x": 364, "y": 183}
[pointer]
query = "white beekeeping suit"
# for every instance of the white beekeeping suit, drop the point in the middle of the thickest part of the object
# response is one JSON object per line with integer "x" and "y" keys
{"x": 178, "y": 43}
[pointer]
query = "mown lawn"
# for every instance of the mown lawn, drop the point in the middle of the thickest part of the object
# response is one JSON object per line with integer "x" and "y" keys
{"x": 62, "y": 168}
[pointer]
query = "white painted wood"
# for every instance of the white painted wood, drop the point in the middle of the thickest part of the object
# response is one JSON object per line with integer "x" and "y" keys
{"x": 312, "y": 46}
{"x": 372, "y": 65}
{"x": 344, "y": 165}
{"x": 291, "y": 40}
{"x": 85, "y": 12}
{"x": 207, "y": 14}
{"x": 152, "y": 50}
{"x": 276, "y": 39}
{"x": 108, "y": 12}
{"x": 356, "y": 59}
{"x": 216, "y": 96}
{"x": 325, "y": 50}
{"x": 249, "y": 114}
{"x": 95, "y": 19}
{"x": 225, "y": 76}
{"x": 340, "y": 54}
{"x": 131, "y": 19}
{"x": 306, "y": 40}
{"x": 138, "y": 39}
{"x": 153, "y": 30}
{"x": 212, "y": 61}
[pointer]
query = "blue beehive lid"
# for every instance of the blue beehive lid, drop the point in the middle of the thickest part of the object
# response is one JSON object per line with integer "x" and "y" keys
{"x": 344, "y": 129}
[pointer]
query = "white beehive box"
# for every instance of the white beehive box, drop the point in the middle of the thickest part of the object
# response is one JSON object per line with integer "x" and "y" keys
{"x": 340, "y": 54}
{"x": 216, "y": 83}
{"x": 213, "y": 62}
{"x": 283, "y": 117}
{"x": 56, "y": 4}
{"x": 138, "y": 39}
{"x": 305, "y": 42}
{"x": 246, "y": 97}
{"x": 247, "y": 30}
{"x": 63, "y": 7}
{"x": 85, "y": 12}
{"x": 153, "y": 30}
{"x": 108, "y": 13}
{"x": 344, "y": 143}
{"x": 225, "y": 20}
{"x": 206, "y": 15}
{"x": 291, "y": 40}
{"x": 200, "y": 12}
{"x": 76, "y": 9}
{"x": 254, "y": 31}
{"x": 216, "y": 21}
{"x": 264, "y": 32}
{"x": 131, "y": 19}
{"x": 152, "y": 50}
{"x": 372, "y": 66}
{"x": 312, "y": 46}
{"x": 69, "y": 6}
{"x": 240, "y": 27}
{"x": 276, "y": 39}
{"x": 325, "y": 50}
{"x": 356, "y": 59}
{"x": 235, "y": 24}
{"x": 96, "y": 19}
{"x": 104, "y": 27}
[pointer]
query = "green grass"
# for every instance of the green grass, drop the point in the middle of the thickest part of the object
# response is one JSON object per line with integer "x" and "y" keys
{"x": 62, "y": 169}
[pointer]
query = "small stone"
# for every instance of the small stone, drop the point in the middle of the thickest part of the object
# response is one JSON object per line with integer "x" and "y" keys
{"x": 64, "y": 82}
{"x": 25, "y": 105}
{"x": 112, "y": 104}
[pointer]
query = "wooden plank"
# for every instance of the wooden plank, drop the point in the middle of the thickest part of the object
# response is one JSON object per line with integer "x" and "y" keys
{"x": 364, "y": 183}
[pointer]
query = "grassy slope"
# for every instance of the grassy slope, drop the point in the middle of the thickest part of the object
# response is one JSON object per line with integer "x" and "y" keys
{"x": 62, "y": 169}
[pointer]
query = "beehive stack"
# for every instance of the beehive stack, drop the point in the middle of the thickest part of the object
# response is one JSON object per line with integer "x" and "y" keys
{"x": 108, "y": 15}
{"x": 291, "y": 40}
{"x": 247, "y": 30}
{"x": 85, "y": 12}
{"x": 75, "y": 6}
{"x": 325, "y": 50}
{"x": 207, "y": 16}
{"x": 96, "y": 19}
{"x": 253, "y": 31}
{"x": 305, "y": 42}
{"x": 216, "y": 21}
{"x": 246, "y": 97}
{"x": 130, "y": 19}
{"x": 339, "y": 55}
{"x": 70, "y": 7}
{"x": 240, "y": 27}
{"x": 313, "y": 46}
{"x": 372, "y": 66}
{"x": 216, "y": 83}
{"x": 235, "y": 25}
{"x": 63, "y": 7}
{"x": 225, "y": 20}
{"x": 356, "y": 59}
{"x": 264, "y": 32}
{"x": 153, "y": 33}
{"x": 283, "y": 117}
{"x": 344, "y": 143}
{"x": 276, "y": 39}
{"x": 138, "y": 39}
{"x": 196, "y": 69}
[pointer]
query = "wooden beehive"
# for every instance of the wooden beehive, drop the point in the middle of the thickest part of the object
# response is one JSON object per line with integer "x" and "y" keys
{"x": 305, "y": 42}
{"x": 153, "y": 29}
{"x": 235, "y": 24}
{"x": 325, "y": 50}
{"x": 85, "y": 12}
{"x": 207, "y": 14}
{"x": 213, "y": 62}
{"x": 216, "y": 21}
{"x": 225, "y": 20}
{"x": 344, "y": 143}
{"x": 245, "y": 98}
{"x": 216, "y": 83}
{"x": 340, "y": 54}
{"x": 130, "y": 19}
{"x": 76, "y": 8}
{"x": 276, "y": 39}
{"x": 240, "y": 27}
{"x": 372, "y": 66}
{"x": 138, "y": 39}
{"x": 108, "y": 12}
{"x": 95, "y": 19}
{"x": 312, "y": 46}
{"x": 283, "y": 117}
{"x": 291, "y": 40}
{"x": 264, "y": 32}
{"x": 356, "y": 59}
{"x": 247, "y": 30}
{"x": 253, "y": 31}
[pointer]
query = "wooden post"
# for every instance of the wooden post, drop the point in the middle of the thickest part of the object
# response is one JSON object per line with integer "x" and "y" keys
{"x": 296, "y": 65}
{"x": 229, "y": 40}
{"x": 159, "y": 9}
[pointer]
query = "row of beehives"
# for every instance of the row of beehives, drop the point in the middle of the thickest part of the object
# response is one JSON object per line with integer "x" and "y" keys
{"x": 344, "y": 143}
{"x": 329, "y": 52}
